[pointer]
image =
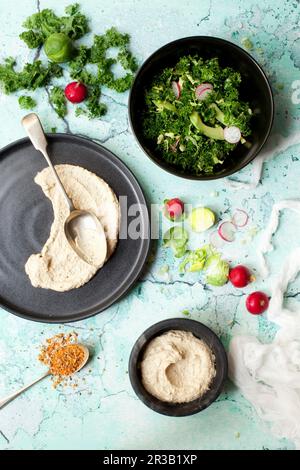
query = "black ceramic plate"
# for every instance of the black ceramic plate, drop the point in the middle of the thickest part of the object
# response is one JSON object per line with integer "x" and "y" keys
{"x": 25, "y": 219}
{"x": 254, "y": 89}
{"x": 200, "y": 331}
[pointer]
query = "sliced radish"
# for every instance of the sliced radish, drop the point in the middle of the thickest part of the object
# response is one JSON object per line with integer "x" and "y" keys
{"x": 216, "y": 240}
{"x": 174, "y": 146}
{"x": 203, "y": 90}
{"x": 240, "y": 218}
{"x": 227, "y": 231}
{"x": 232, "y": 134}
{"x": 176, "y": 89}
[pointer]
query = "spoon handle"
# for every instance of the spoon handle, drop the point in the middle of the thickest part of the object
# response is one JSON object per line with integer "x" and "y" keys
{"x": 11, "y": 397}
{"x": 37, "y": 136}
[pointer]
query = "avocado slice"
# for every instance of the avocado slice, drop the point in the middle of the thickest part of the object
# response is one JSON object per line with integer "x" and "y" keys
{"x": 219, "y": 114}
{"x": 161, "y": 105}
{"x": 215, "y": 133}
{"x": 221, "y": 118}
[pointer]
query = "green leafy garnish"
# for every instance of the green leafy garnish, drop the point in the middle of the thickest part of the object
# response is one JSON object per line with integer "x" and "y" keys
{"x": 32, "y": 76}
{"x": 97, "y": 55}
{"x": 41, "y": 25}
{"x": 58, "y": 101}
{"x": 26, "y": 102}
{"x": 176, "y": 238}
{"x": 186, "y": 313}
{"x": 185, "y": 130}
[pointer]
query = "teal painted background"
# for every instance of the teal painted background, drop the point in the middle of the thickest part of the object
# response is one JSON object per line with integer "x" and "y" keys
{"x": 103, "y": 412}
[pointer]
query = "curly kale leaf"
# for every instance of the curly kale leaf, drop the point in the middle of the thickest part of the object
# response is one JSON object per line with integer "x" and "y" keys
{"x": 32, "y": 76}
{"x": 111, "y": 39}
{"x": 93, "y": 107}
{"x": 58, "y": 101}
{"x": 44, "y": 23}
{"x": 75, "y": 25}
{"x": 97, "y": 55}
{"x": 26, "y": 102}
{"x": 40, "y": 25}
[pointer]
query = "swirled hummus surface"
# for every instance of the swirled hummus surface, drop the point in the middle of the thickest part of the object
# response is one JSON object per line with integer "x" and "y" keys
{"x": 177, "y": 367}
{"x": 58, "y": 267}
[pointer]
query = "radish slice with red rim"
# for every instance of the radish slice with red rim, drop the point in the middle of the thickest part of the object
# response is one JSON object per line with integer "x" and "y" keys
{"x": 176, "y": 89}
{"x": 202, "y": 91}
{"x": 232, "y": 134}
{"x": 227, "y": 231}
{"x": 216, "y": 240}
{"x": 240, "y": 218}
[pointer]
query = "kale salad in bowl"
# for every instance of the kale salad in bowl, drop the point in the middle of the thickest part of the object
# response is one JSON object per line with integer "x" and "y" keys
{"x": 201, "y": 107}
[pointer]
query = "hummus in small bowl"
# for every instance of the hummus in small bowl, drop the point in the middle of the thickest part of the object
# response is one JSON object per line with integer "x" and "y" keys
{"x": 178, "y": 367}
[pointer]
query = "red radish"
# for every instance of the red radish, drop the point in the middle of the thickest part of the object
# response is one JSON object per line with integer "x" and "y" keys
{"x": 240, "y": 218}
{"x": 232, "y": 134}
{"x": 174, "y": 208}
{"x": 76, "y": 92}
{"x": 216, "y": 240}
{"x": 174, "y": 146}
{"x": 227, "y": 231}
{"x": 257, "y": 303}
{"x": 176, "y": 89}
{"x": 203, "y": 90}
{"x": 240, "y": 276}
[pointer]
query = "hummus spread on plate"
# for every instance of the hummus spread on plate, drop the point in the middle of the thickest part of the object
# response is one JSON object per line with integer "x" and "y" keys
{"x": 58, "y": 267}
{"x": 177, "y": 367}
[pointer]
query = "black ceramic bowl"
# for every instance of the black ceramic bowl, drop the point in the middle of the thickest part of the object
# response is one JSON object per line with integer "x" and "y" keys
{"x": 254, "y": 89}
{"x": 200, "y": 331}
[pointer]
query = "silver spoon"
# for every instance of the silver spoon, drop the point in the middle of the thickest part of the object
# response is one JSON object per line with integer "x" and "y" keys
{"x": 11, "y": 397}
{"x": 80, "y": 225}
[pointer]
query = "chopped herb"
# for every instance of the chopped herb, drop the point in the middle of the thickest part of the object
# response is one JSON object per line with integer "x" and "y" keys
{"x": 26, "y": 102}
{"x": 58, "y": 101}
{"x": 186, "y": 313}
{"x": 53, "y": 130}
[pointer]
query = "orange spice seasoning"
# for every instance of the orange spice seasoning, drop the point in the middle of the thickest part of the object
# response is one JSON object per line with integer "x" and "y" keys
{"x": 62, "y": 355}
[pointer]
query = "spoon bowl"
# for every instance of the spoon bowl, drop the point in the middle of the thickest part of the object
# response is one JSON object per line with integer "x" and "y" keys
{"x": 86, "y": 236}
{"x": 85, "y": 359}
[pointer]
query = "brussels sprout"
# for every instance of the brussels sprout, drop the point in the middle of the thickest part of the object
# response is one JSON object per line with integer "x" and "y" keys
{"x": 59, "y": 48}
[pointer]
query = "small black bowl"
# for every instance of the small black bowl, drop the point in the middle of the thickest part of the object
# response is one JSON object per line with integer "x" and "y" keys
{"x": 199, "y": 331}
{"x": 254, "y": 89}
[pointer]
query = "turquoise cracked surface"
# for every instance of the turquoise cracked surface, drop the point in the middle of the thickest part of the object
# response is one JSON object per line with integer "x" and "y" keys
{"x": 103, "y": 412}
